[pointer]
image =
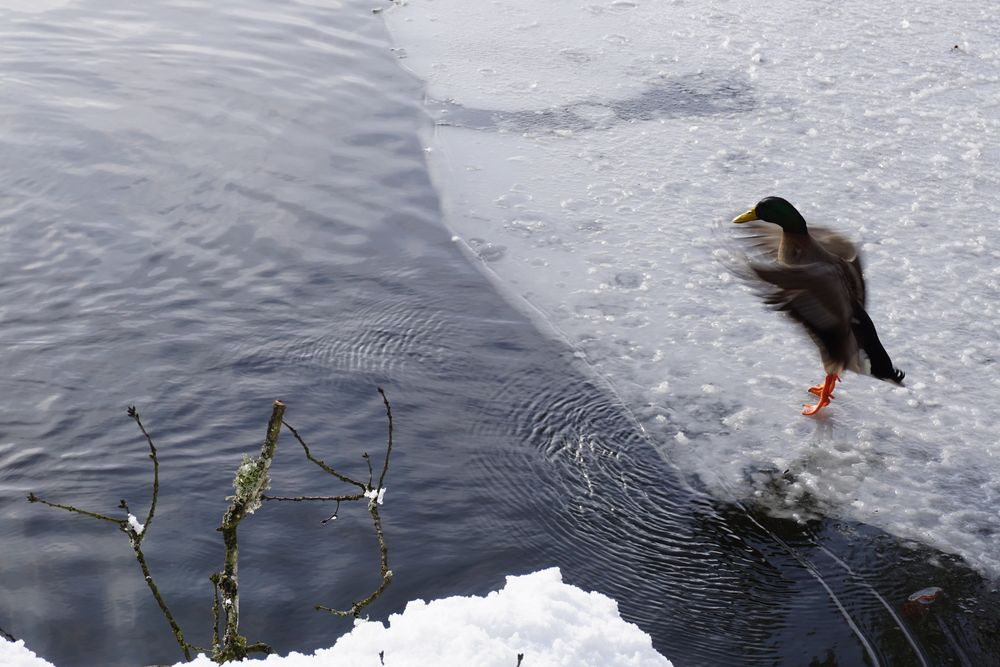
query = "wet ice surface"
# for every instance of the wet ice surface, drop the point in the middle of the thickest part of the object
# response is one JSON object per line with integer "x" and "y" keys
{"x": 592, "y": 153}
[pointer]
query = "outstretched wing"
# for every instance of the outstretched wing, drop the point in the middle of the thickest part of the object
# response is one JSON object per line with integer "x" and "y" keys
{"x": 760, "y": 242}
{"x": 815, "y": 296}
{"x": 847, "y": 250}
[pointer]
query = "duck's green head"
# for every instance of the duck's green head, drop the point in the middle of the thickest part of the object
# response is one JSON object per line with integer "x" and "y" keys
{"x": 778, "y": 211}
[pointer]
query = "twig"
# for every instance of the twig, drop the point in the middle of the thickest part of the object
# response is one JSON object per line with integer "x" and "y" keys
{"x": 374, "y": 499}
{"x": 136, "y": 535}
{"x": 32, "y": 498}
{"x": 386, "y": 573}
{"x": 321, "y": 464}
{"x": 134, "y": 414}
{"x": 178, "y": 635}
{"x": 299, "y": 499}
{"x": 388, "y": 448}
{"x": 6, "y": 635}
{"x": 356, "y": 608}
{"x": 333, "y": 516}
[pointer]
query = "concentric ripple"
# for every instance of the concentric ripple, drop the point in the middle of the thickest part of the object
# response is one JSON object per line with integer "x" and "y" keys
{"x": 714, "y": 583}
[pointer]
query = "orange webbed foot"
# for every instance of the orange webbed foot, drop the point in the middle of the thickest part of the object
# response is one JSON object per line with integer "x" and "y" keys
{"x": 825, "y": 394}
{"x": 810, "y": 410}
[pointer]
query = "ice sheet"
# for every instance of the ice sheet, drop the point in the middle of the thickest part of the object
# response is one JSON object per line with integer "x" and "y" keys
{"x": 591, "y": 153}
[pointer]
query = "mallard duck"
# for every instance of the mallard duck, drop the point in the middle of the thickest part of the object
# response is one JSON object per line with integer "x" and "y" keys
{"x": 814, "y": 275}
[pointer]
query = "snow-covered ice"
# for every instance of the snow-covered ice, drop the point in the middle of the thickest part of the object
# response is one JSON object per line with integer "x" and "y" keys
{"x": 592, "y": 152}
{"x": 551, "y": 623}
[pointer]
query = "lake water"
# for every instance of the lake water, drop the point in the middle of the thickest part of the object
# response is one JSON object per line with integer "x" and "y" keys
{"x": 207, "y": 206}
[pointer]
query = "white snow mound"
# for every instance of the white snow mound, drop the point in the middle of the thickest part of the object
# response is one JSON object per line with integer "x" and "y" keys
{"x": 553, "y": 624}
{"x": 16, "y": 654}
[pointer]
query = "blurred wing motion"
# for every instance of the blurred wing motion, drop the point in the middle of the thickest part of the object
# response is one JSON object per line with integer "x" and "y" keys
{"x": 826, "y": 294}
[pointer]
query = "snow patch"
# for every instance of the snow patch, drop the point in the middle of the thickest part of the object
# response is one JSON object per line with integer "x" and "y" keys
{"x": 135, "y": 525}
{"x": 16, "y": 654}
{"x": 378, "y": 495}
{"x": 552, "y": 623}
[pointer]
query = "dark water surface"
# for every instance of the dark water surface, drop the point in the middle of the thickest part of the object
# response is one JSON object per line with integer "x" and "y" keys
{"x": 207, "y": 206}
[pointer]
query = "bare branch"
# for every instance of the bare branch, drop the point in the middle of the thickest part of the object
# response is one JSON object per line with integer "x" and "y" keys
{"x": 321, "y": 464}
{"x": 388, "y": 448}
{"x": 333, "y": 516}
{"x": 136, "y": 535}
{"x": 358, "y": 606}
{"x": 373, "y": 500}
{"x": 178, "y": 634}
{"x": 250, "y": 484}
{"x": 32, "y": 498}
{"x": 134, "y": 414}
{"x": 299, "y": 499}
{"x": 252, "y": 479}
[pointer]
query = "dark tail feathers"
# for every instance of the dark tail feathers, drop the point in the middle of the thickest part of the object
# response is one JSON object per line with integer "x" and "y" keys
{"x": 881, "y": 364}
